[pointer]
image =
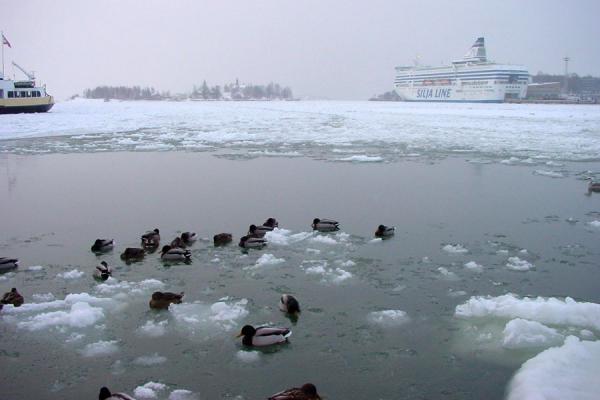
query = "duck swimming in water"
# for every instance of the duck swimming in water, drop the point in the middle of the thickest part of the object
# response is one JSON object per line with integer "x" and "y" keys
{"x": 189, "y": 238}
{"x": 289, "y": 305}
{"x": 102, "y": 245}
{"x": 258, "y": 231}
{"x": 13, "y": 297}
{"x": 103, "y": 271}
{"x": 151, "y": 238}
{"x": 221, "y": 239}
{"x": 308, "y": 391}
{"x": 105, "y": 394}
{"x": 264, "y": 335}
{"x": 271, "y": 223}
{"x": 385, "y": 231}
{"x": 133, "y": 254}
{"x": 162, "y": 300}
{"x": 249, "y": 242}
{"x": 594, "y": 187}
{"x": 169, "y": 253}
{"x": 325, "y": 225}
{"x": 6, "y": 264}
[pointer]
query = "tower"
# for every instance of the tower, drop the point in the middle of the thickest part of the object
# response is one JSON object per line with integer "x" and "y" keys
{"x": 566, "y": 84}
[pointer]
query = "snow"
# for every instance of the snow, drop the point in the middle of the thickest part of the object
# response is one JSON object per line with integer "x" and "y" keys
{"x": 567, "y": 372}
{"x": 521, "y": 333}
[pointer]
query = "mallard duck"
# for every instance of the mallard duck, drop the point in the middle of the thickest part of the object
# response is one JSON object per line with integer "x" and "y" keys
{"x": 258, "y": 231}
{"x": 177, "y": 242}
{"x": 594, "y": 187}
{"x": 289, "y": 304}
{"x": 169, "y": 253}
{"x": 221, "y": 239}
{"x": 264, "y": 335}
{"x": 308, "y": 391}
{"x": 105, "y": 394}
{"x": 385, "y": 231}
{"x": 162, "y": 300}
{"x": 249, "y": 242}
{"x": 102, "y": 245}
{"x": 6, "y": 264}
{"x": 189, "y": 238}
{"x": 133, "y": 254}
{"x": 151, "y": 238}
{"x": 13, "y": 297}
{"x": 271, "y": 222}
{"x": 103, "y": 271}
{"x": 325, "y": 225}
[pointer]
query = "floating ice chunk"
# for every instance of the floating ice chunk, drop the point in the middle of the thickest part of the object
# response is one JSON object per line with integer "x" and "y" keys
{"x": 208, "y": 319}
{"x": 113, "y": 286}
{"x": 342, "y": 236}
{"x": 567, "y": 372}
{"x": 215, "y": 260}
{"x": 100, "y": 349}
{"x": 523, "y": 251}
{"x": 455, "y": 249}
{"x": 516, "y": 264}
{"x": 74, "y": 337}
{"x": 73, "y": 274}
{"x": 362, "y": 158}
{"x": 521, "y": 333}
{"x": 153, "y": 329}
{"x": 376, "y": 240}
{"x": 346, "y": 264}
{"x": 388, "y": 318}
{"x": 586, "y": 334}
{"x": 35, "y": 268}
{"x": 80, "y": 315}
{"x": 284, "y": 237}
{"x": 553, "y": 311}
{"x": 323, "y": 239}
{"x": 502, "y": 251}
{"x": 43, "y": 297}
{"x": 248, "y": 356}
{"x": 447, "y": 274}
{"x": 595, "y": 223}
{"x": 150, "y": 360}
{"x": 473, "y": 266}
{"x": 314, "y": 251}
{"x": 456, "y": 293}
{"x": 268, "y": 259}
{"x": 182, "y": 394}
{"x": 333, "y": 275}
{"x": 149, "y": 390}
{"x": 69, "y": 300}
{"x": 550, "y": 174}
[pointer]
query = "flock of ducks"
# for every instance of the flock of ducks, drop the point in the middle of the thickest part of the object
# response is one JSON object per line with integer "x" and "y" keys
{"x": 177, "y": 251}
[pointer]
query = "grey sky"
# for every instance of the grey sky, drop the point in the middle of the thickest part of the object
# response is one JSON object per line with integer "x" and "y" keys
{"x": 325, "y": 49}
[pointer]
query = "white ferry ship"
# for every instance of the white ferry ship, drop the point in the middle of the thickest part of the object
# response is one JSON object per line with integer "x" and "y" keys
{"x": 23, "y": 96}
{"x": 471, "y": 79}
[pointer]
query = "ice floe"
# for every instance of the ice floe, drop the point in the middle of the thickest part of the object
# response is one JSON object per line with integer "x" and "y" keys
{"x": 35, "y": 268}
{"x": 43, "y": 297}
{"x": 517, "y": 264}
{"x": 455, "y": 249}
{"x": 567, "y": 372}
{"x": 247, "y": 356}
{"x": 147, "y": 361}
{"x": 73, "y": 274}
{"x": 268, "y": 259}
{"x": 149, "y": 390}
{"x": 388, "y": 318}
{"x": 209, "y": 319}
{"x": 595, "y": 223}
{"x": 100, "y": 349}
{"x": 473, "y": 266}
{"x": 327, "y": 274}
{"x": 113, "y": 286}
{"x": 153, "y": 329}
{"x": 521, "y": 333}
{"x": 285, "y": 237}
{"x": 362, "y": 158}
{"x": 550, "y": 174}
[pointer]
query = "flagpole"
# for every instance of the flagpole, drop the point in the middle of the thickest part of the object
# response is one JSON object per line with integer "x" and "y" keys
{"x": 2, "y": 34}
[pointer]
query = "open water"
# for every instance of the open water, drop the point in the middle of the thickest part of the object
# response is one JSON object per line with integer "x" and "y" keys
{"x": 490, "y": 280}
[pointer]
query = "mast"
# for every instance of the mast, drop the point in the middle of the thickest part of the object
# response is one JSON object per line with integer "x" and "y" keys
{"x": 2, "y": 39}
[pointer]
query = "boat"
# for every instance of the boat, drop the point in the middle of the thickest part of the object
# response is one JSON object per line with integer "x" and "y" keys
{"x": 22, "y": 96}
{"x": 470, "y": 79}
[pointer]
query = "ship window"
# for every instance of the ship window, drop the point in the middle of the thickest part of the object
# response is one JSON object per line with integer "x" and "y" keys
{"x": 38, "y": 94}
{"x": 28, "y": 94}
{"x": 1, "y": 93}
{"x": 11, "y": 94}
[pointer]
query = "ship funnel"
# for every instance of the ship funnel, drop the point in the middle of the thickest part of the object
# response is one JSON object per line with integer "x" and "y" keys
{"x": 477, "y": 51}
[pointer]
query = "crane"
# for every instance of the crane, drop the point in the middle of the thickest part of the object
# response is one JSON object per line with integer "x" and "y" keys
{"x": 30, "y": 75}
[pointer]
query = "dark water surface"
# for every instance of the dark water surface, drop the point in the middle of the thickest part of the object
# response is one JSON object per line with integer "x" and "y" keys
{"x": 54, "y": 206}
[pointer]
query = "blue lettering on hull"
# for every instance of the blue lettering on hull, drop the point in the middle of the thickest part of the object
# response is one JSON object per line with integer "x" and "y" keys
{"x": 430, "y": 93}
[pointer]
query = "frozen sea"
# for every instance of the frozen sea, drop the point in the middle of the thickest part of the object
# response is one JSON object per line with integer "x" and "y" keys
{"x": 489, "y": 289}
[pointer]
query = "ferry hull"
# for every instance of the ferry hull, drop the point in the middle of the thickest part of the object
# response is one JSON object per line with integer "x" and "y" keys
{"x": 452, "y": 94}
{"x": 25, "y": 109}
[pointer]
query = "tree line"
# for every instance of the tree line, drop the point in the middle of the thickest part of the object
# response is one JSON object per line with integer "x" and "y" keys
{"x": 124, "y": 93}
{"x": 576, "y": 84}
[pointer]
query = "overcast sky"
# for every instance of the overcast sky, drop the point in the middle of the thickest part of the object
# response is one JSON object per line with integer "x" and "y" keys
{"x": 320, "y": 48}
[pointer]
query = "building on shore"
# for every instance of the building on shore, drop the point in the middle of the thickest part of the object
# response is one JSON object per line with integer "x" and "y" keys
{"x": 544, "y": 91}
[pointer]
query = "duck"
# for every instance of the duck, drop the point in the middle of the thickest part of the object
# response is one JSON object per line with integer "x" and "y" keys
{"x": 258, "y": 231}
{"x": 105, "y": 394}
{"x": 263, "y": 335}
{"x": 272, "y": 223}
{"x": 594, "y": 187}
{"x": 13, "y": 297}
{"x": 289, "y": 305}
{"x": 385, "y": 231}
{"x": 169, "y": 253}
{"x": 6, "y": 264}
{"x": 133, "y": 254}
{"x": 102, "y": 245}
{"x": 151, "y": 238}
{"x": 189, "y": 238}
{"x": 221, "y": 239}
{"x": 308, "y": 391}
{"x": 177, "y": 242}
{"x": 162, "y": 300}
{"x": 103, "y": 271}
{"x": 249, "y": 242}
{"x": 325, "y": 225}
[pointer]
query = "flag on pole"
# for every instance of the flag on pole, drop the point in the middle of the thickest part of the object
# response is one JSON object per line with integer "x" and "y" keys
{"x": 5, "y": 41}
